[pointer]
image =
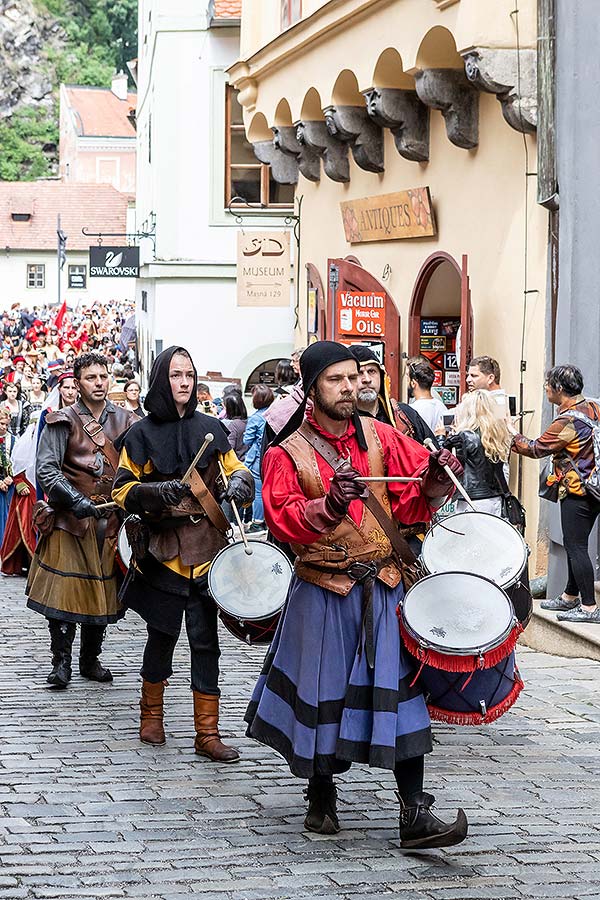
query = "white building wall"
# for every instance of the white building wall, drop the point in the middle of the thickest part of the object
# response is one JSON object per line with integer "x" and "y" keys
{"x": 13, "y": 278}
{"x": 190, "y": 289}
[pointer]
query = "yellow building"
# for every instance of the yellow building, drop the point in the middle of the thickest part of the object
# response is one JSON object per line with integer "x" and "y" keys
{"x": 408, "y": 130}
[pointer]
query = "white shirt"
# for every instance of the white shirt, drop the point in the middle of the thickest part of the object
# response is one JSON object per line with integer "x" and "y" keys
{"x": 431, "y": 411}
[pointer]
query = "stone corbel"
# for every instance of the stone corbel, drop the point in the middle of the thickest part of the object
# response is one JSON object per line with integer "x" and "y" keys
{"x": 351, "y": 125}
{"x": 502, "y": 73}
{"x": 334, "y": 154}
{"x": 449, "y": 91}
{"x": 407, "y": 118}
{"x": 285, "y": 139}
{"x": 284, "y": 168}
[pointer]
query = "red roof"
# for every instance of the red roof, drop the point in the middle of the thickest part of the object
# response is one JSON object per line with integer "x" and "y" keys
{"x": 96, "y": 207}
{"x": 228, "y": 9}
{"x": 100, "y": 113}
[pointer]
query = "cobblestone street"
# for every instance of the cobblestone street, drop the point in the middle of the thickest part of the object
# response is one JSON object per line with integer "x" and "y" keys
{"x": 87, "y": 811}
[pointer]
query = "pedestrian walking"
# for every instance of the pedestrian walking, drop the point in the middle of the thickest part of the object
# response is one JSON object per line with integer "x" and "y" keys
{"x": 430, "y": 408}
{"x": 569, "y": 440}
{"x": 262, "y": 398}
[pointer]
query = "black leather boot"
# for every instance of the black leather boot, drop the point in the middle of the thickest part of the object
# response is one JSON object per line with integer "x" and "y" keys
{"x": 420, "y": 829}
{"x": 61, "y": 641}
{"x": 89, "y": 651}
{"x": 322, "y": 815}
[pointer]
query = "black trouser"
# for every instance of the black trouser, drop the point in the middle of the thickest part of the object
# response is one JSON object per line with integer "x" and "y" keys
{"x": 408, "y": 775}
{"x": 201, "y": 627}
{"x": 577, "y": 516}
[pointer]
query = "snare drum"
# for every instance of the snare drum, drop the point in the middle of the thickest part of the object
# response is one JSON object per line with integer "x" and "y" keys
{"x": 123, "y": 550}
{"x": 476, "y": 542}
{"x": 250, "y": 590}
{"x": 462, "y": 629}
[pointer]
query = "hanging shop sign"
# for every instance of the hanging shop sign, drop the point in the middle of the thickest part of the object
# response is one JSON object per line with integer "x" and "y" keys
{"x": 263, "y": 268}
{"x": 360, "y": 313}
{"x": 114, "y": 262}
{"x": 390, "y": 217}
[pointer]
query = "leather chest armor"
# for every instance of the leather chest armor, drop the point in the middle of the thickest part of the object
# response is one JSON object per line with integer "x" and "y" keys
{"x": 323, "y": 562}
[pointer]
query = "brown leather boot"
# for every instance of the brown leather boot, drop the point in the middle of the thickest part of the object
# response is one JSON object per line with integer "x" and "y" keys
{"x": 151, "y": 713}
{"x": 206, "y": 722}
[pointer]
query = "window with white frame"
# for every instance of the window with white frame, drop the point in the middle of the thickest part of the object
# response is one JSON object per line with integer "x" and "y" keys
{"x": 36, "y": 276}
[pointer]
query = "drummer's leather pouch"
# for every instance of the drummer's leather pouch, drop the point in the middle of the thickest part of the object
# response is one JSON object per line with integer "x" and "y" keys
{"x": 138, "y": 536}
{"x": 42, "y": 517}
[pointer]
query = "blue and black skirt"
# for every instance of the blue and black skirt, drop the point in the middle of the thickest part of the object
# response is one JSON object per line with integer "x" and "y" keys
{"x": 320, "y": 704}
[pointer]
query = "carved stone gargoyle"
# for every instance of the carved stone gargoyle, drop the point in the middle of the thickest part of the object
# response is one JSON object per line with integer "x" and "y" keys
{"x": 285, "y": 139}
{"x": 351, "y": 125}
{"x": 334, "y": 154}
{"x": 503, "y": 73}
{"x": 284, "y": 168}
{"x": 449, "y": 91}
{"x": 407, "y": 118}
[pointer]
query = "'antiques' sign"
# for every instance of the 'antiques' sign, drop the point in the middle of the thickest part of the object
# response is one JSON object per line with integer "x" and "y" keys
{"x": 360, "y": 313}
{"x": 263, "y": 268}
{"x": 390, "y": 217}
{"x": 114, "y": 262}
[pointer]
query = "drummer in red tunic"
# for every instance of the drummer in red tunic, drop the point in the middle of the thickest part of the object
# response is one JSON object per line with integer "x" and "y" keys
{"x": 337, "y": 686}
{"x": 175, "y": 540}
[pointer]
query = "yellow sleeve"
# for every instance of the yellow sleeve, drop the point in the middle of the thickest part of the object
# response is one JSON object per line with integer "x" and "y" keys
{"x": 129, "y": 473}
{"x": 231, "y": 463}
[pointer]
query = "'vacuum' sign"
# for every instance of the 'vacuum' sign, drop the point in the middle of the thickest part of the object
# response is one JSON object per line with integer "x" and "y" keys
{"x": 114, "y": 262}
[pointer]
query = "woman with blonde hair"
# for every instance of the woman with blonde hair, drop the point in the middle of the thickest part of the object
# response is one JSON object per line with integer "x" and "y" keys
{"x": 482, "y": 443}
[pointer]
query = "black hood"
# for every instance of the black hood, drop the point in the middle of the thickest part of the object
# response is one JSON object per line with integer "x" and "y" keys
{"x": 159, "y": 400}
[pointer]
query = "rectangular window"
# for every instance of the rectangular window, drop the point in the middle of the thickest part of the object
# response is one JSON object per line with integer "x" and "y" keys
{"x": 291, "y": 12}
{"x": 36, "y": 276}
{"x": 77, "y": 277}
{"x": 245, "y": 177}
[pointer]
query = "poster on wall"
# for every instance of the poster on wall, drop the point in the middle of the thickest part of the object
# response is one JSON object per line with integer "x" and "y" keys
{"x": 360, "y": 313}
{"x": 263, "y": 268}
{"x": 452, "y": 379}
{"x": 448, "y": 395}
{"x": 312, "y": 309}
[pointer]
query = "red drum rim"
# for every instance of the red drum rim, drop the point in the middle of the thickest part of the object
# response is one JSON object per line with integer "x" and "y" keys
{"x": 476, "y": 718}
{"x": 446, "y": 521}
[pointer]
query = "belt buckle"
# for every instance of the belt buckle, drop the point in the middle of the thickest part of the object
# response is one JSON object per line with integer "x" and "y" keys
{"x": 360, "y": 571}
{"x": 95, "y": 425}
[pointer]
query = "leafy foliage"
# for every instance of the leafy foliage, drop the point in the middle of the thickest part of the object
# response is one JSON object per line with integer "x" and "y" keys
{"x": 101, "y": 36}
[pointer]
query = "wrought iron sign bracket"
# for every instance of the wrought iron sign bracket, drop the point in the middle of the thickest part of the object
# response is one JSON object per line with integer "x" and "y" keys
{"x": 148, "y": 232}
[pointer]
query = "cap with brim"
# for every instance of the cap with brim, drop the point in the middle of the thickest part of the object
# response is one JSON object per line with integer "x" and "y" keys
{"x": 55, "y": 364}
{"x": 68, "y": 374}
{"x": 313, "y": 362}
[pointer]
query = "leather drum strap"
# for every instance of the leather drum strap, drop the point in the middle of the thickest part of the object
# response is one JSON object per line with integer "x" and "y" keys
{"x": 106, "y": 448}
{"x": 208, "y": 503}
{"x": 325, "y": 450}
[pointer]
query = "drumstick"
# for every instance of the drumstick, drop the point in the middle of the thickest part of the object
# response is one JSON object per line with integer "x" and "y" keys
{"x": 431, "y": 446}
{"x": 247, "y": 547}
{"x": 207, "y": 440}
{"x": 387, "y": 478}
{"x": 107, "y": 505}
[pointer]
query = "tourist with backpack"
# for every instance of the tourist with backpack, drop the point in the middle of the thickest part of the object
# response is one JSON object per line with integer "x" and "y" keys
{"x": 573, "y": 440}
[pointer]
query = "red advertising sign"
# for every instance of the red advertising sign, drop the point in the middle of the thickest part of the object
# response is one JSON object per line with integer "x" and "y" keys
{"x": 361, "y": 314}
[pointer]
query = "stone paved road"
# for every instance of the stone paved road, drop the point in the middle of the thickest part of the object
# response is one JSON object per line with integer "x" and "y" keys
{"x": 87, "y": 811}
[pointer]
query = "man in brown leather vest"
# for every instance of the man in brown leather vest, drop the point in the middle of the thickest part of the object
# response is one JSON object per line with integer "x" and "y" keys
{"x": 338, "y": 686}
{"x": 73, "y": 576}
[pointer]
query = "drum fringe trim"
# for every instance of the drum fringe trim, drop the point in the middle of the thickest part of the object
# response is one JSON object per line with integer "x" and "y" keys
{"x": 475, "y": 718}
{"x": 449, "y": 663}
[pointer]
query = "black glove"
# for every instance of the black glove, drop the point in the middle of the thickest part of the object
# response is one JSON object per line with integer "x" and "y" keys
{"x": 240, "y": 488}
{"x": 64, "y": 496}
{"x": 343, "y": 489}
{"x": 154, "y": 497}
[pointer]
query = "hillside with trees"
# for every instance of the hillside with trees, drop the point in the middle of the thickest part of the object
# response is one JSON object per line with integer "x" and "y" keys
{"x": 43, "y": 43}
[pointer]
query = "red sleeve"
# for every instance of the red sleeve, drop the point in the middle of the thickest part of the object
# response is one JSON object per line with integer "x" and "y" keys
{"x": 407, "y": 459}
{"x": 284, "y": 500}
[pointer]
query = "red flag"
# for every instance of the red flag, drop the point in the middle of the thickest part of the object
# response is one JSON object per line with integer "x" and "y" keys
{"x": 60, "y": 315}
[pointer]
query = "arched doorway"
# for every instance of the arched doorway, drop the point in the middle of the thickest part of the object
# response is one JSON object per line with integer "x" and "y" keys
{"x": 361, "y": 310}
{"x": 441, "y": 322}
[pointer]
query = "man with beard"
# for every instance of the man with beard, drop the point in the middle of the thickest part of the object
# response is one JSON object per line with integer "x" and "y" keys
{"x": 179, "y": 534}
{"x": 73, "y": 575}
{"x": 337, "y": 686}
{"x": 373, "y": 397}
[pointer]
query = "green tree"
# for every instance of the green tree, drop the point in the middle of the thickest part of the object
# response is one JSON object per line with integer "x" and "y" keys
{"x": 28, "y": 139}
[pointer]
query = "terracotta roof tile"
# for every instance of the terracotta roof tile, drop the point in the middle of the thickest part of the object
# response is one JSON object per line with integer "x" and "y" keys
{"x": 228, "y": 9}
{"x": 99, "y": 113}
{"x": 97, "y": 207}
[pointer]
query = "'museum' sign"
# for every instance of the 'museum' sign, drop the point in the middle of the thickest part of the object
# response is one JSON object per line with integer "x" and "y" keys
{"x": 390, "y": 217}
{"x": 263, "y": 268}
{"x": 114, "y": 262}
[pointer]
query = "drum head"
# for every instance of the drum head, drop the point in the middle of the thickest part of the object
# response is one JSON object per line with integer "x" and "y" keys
{"x": 475, "y": 542}
{"x": 123, "y": 547}
{"x": 250, "y": 587}
{"x": 458, "y": 613}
